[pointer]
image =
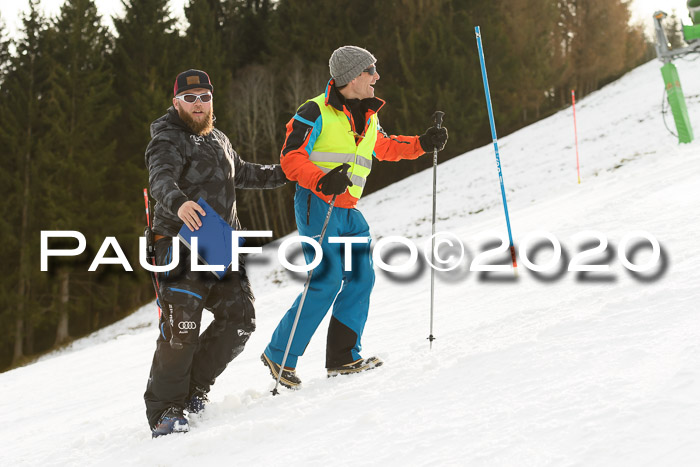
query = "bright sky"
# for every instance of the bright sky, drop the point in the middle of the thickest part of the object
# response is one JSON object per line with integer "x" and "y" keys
{"x": 10, "y": 10}
{"x": 644, "y": 9}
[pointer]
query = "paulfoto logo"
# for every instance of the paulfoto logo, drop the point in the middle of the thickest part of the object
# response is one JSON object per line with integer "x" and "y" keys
{"x": 443, "y": 252}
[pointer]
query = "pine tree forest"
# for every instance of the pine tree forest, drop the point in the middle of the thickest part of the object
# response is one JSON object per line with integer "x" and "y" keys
{"x": 77, "y": 99}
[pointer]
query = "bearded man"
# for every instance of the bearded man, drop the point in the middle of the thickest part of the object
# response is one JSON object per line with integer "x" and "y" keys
{"x": 188, "y": 159}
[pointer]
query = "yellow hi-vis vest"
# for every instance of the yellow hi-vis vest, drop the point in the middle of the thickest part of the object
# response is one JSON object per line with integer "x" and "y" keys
{"x": 335, "y": 145}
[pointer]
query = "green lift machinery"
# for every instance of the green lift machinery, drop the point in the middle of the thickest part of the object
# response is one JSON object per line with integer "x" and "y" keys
{"x": 674, "y": 93}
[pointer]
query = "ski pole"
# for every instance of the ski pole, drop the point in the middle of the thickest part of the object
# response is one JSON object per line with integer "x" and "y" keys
{"x": 306, "y": 289}
{"x": 149, "y": 245}
{"x": 495, "y": 143}
{"x": 438, "y": 122}
{"x": 573, "y": 104}
{"x": 163, "y": 306}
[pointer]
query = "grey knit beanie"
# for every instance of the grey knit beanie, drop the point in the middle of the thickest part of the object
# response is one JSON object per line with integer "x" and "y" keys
{"x": 348, "y": 62}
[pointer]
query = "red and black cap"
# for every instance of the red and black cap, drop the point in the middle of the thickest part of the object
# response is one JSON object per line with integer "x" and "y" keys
{"x": 192, "y": 79}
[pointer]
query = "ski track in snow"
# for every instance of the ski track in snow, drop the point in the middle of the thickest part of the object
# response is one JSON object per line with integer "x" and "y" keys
{"x": 565, "y": 371}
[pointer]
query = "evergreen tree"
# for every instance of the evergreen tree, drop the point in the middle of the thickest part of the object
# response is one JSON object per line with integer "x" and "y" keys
{"x": 246, "y": 29}
{"x": 532, "y": 46}
{"x": 81, "y": 109}
{"x": 146, "y": 60}
{"x": 595, "y": 35}
{"x": 4, "y": 51}
{"x": 204, "y": 49}
{"x": 20, "y": 134}
{"x": 6, "y": 290}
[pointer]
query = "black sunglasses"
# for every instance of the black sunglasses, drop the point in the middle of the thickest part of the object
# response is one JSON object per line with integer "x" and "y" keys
{"x": 371, "y": 70}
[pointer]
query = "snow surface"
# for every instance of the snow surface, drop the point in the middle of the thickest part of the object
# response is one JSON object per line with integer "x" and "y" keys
{"x": 552, "y": 369}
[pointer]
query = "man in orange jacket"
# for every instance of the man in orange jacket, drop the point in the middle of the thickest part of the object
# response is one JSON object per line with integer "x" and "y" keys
{"x": 335, "y": 128}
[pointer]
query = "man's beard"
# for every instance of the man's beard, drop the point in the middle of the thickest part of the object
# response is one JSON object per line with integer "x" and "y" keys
{"x": 203, "y": 127}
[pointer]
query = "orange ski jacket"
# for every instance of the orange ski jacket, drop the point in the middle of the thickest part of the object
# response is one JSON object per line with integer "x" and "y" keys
{"x": 304, "y": 129}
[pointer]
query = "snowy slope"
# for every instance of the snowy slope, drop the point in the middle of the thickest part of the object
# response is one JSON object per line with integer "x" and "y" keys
{"x": 546, "y": 370}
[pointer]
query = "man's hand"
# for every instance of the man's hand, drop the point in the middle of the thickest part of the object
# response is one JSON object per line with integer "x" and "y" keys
{"x": 433, "y": 138}
{"x": 334, "y": 182}
{"x": 188, "y": 213}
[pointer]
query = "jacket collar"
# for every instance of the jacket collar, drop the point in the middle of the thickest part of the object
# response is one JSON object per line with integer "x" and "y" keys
{"x": 335, "y": 98}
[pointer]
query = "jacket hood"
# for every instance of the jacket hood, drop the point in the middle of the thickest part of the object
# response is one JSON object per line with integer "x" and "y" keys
{"x": 168, "y": 122}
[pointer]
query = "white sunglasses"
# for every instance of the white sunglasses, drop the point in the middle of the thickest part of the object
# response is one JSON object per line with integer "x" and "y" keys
{"x": 192, "y": 98}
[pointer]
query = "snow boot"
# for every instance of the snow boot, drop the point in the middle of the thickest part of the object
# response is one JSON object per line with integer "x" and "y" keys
{"x": 197, "y": 400}
{"x": 172, "y": 421}
{"x": 357, "y": 366}
{"x": 289, "y": 378}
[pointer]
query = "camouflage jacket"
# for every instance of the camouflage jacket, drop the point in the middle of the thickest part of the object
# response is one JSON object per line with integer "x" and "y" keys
{"x": 183, "y": 166}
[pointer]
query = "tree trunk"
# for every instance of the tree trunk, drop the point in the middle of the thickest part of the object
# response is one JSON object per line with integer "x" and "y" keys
{"x": 64, "y": 274}
{"x": 29, "y": 334}
{"x": 282, "y": 212}
{"x": 255, "y": 216}
{"x": 266, "y": 218}
{"x": 62, "y": 330}
{"x": 115, "y": 303}
{"x": 23, "y": 284}
{"x": 19, "y": 328}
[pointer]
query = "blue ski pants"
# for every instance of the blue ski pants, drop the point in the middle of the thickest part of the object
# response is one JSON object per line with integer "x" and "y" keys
{"x": 347, "y": 292}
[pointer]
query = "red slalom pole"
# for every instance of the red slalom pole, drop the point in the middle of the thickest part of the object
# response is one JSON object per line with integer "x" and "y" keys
{"x": 573, "y": 103}
{"x": 145, "y": 200}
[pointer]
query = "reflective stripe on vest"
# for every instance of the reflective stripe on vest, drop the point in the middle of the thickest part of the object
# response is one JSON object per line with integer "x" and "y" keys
{"x": 336, "y": 145}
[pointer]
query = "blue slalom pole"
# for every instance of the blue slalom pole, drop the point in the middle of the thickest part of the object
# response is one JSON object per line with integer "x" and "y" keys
{"x": 495, "y": 143}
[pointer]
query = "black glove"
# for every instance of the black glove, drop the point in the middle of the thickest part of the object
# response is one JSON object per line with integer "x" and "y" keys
{"x": 434, "y": 138}
{"x": 334, "y": 182}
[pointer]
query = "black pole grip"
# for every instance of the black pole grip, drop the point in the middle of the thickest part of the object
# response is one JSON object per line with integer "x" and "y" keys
{"x": 438, "y": 116}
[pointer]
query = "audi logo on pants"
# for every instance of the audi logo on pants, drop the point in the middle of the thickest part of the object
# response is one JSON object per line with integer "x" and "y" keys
{"x": 187, "y": 325}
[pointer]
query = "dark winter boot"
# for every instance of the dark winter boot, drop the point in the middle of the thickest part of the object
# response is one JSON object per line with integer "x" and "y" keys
{"x": 197, "y": 400}
{"x": 289, "y": 378}
{"x": 357, "y": 366}
{"x": 172, "y": 421}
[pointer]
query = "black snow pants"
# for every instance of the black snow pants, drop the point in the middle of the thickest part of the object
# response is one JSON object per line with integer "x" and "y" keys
{"x": 178, "y": 369}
